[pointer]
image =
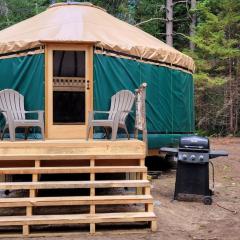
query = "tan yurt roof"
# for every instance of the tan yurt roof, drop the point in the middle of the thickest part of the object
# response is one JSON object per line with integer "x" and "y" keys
{"x": 84, "y": 22}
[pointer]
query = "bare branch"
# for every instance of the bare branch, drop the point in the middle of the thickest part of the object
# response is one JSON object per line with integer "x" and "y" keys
{"x": 179, "y": 2}
{"x": 180, "y": 20}
{"x": 181, "y": 34}
{"x": 149, "y": 20}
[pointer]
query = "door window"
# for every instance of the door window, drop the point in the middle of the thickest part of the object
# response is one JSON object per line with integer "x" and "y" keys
{"x": 69, "y": 79}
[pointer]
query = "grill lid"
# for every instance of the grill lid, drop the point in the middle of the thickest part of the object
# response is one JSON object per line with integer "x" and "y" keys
{"x": 194, "y": 142}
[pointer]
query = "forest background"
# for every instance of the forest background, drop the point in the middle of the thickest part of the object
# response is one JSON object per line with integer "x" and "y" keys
{"x": 207, "y": 30}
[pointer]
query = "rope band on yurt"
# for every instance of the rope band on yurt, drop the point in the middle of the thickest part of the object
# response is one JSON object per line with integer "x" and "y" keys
{"x": 21, "y": 52}
{"x": 134, "y": 57}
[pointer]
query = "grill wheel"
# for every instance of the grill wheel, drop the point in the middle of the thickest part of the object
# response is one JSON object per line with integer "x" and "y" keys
{"x": 207, "y": 200}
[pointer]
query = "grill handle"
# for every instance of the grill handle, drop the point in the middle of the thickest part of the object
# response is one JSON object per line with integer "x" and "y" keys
{"x": 215, "y": 154}
{"x": 171, "y": 151}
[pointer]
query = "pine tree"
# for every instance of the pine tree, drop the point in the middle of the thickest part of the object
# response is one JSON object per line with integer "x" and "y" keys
{"x": 217, "y": 56}
{"x": 16, "y": 11}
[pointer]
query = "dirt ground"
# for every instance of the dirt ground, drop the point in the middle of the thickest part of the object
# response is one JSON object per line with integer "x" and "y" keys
{"x": 192, "y": 220}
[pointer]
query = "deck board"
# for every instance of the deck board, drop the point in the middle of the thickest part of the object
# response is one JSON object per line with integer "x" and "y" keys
{"x": 74, "y": 184}
{"x": 72, "y": 149}
{"x": 52, "y": 170}
{"x": 77, "y": 218}
{"x": 75, "y": 200}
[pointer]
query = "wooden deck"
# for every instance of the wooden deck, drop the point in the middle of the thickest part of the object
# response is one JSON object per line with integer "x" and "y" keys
{"x": 92, "y": 161}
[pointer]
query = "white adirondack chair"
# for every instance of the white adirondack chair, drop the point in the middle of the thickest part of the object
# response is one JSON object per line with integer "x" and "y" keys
{"x": 121, "y": 105}
{"x": 12, "y": 108}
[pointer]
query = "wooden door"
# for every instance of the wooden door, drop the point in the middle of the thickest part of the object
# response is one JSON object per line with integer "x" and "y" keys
{"x": 68, "y": 90}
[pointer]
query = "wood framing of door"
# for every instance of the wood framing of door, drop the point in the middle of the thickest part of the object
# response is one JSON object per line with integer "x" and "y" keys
{"x": 67, "y": 131}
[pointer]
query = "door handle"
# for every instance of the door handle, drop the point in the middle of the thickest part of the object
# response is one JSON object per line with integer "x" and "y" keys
{"x": 88, "y": 85}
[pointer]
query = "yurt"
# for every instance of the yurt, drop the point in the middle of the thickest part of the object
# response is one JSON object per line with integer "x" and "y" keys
{"x": 71, "y": 58}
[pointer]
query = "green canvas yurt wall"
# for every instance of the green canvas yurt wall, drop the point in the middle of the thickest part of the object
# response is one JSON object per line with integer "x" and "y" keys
{"x": 169, "y": 100}
{"x": 26, "y": 75}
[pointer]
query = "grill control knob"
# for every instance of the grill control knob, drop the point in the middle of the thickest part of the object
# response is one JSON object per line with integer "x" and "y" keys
{"x": 193, "y": 158}
{"x": 201, "y": 158}
{"x": 184, "y": 157}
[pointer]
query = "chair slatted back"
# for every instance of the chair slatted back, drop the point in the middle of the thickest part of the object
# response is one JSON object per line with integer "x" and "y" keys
{"x": 13, "y": 102}
{"x": 121, "y": 101}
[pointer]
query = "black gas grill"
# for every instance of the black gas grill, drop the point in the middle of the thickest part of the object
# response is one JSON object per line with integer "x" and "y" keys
{"x": 192, "y": 177}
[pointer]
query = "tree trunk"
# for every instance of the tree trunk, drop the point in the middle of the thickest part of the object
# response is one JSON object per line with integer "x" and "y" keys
{"x": 193, "y": 24}
{"x": 231, "y": 118}
{"x": 236, "y": 95}
{"x": 169, "y": 22}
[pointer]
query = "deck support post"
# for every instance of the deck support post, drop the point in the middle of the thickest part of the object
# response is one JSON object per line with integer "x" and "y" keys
{"x": 154, "y": 226}
{"x": 25, "y": 230}
{"x": 92, "y": 193}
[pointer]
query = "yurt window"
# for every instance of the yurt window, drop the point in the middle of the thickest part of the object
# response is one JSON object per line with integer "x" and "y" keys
{"x": 69, "y": 87}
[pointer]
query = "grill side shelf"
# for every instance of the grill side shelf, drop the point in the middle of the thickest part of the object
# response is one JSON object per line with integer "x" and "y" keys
{"x": 217, "y": 153}
{"x": 171, "y": 151}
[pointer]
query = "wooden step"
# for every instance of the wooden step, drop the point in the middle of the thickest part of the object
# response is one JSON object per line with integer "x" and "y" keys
{"x": 74, "y": 184}
{"x": 77, "y": 218}
{"x": 88, "y": 169}
{"x": 82, "y": 200}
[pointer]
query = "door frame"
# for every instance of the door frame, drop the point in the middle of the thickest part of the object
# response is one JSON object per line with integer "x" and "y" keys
{"x": 67, "y": 131}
